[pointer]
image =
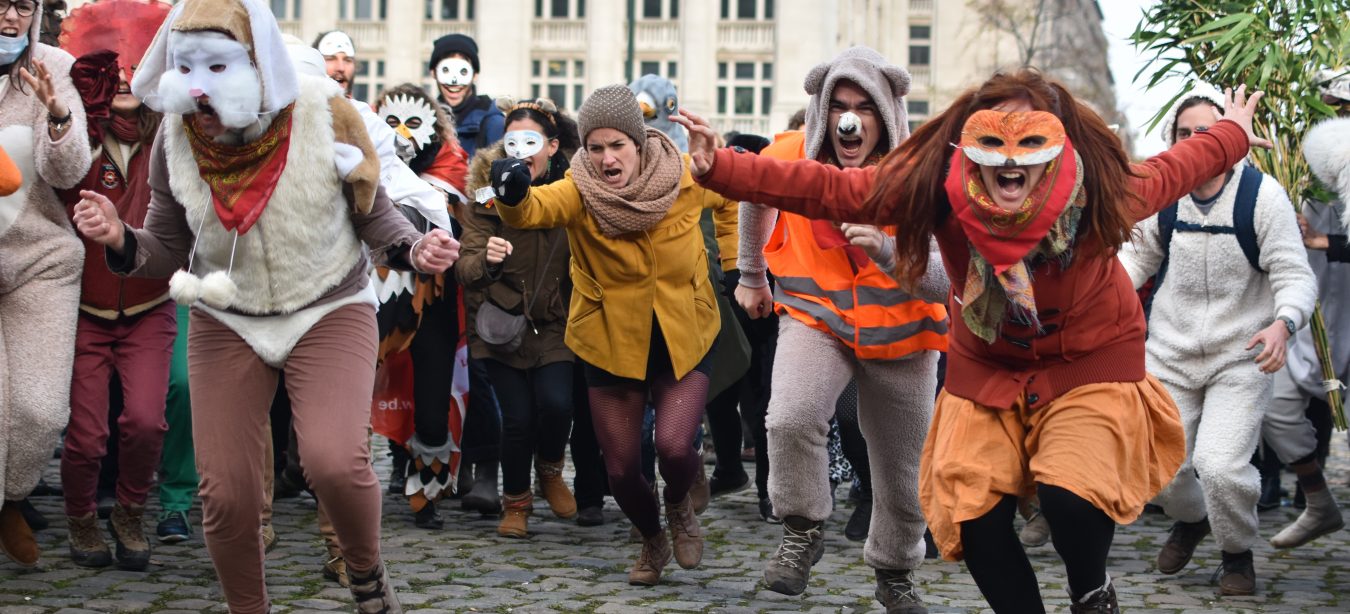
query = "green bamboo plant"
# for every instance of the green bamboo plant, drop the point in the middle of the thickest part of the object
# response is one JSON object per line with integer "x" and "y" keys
{"x": 1276, "y": 46}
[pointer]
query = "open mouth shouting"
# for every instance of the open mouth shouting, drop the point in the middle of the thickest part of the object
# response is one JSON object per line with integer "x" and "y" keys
{"x": 1011, "y": 182}
{"x": 9, "y": 32}
{"x": 614, "y": 176}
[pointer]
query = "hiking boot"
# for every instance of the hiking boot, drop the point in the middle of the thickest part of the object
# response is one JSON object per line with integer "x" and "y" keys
{"x": 554, "y": 489}
{"x": 173, "y": 527}
{"x": 483, "y": 497}
{"x": 802, "y": 546}
{"x": 766, "y": 512}
{"x": 126, "y": 526}
{"x": 685, "y": 534}
{"x": 336, "y": 570}
{"x": 651, "y": 560}
{"x": 372, "y": 592}
{"x": 1236, "y": 574}
{"x": 591, "y": 516}
{"x": 516, "y": 515}
{"x": 87, "y": 548}
{"x": 1322, "y": 516}
{"x": 1180, "y": 546}
{"x": 269, "y": 538}
{"x": 16, "y": 537}
{"x": 700, "y": 493}
{"x": 896, "y": 591}
{"x": 1036, "y": 532}
{"x": 1100, "y": 601}
{"x": 860, "y": 521}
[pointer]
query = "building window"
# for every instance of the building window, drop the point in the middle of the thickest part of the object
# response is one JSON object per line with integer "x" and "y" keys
{"x": 920, "y": 32}
{"x": 660, "y": 9}
{"x": 562, "y": 80}
{"x": 747, "y": 9}
{"x": 449, "y": 10}
{"x": 918, "y": 55}
{"x": 367, "y": 84}
{"x": 362, "y": 10}
{"x": 748, "y": 92}
{"x": 286, "y": 10}
{"x": 560, "y": 9}
{"x": 660, "y": 68}
{"x": 916, "y": 107}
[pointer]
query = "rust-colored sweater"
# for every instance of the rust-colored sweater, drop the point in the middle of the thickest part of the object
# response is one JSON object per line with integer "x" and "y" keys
{"x": 1092, "y": 323}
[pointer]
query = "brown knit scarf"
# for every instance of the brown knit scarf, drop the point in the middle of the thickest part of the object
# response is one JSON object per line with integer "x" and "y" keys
{"x": 644, "y": 201}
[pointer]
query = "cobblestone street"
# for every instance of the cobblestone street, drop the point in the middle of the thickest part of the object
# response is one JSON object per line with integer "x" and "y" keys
{"x": 566, "y": 568}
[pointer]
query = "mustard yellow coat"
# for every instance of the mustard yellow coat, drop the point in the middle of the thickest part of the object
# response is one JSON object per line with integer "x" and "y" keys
{"x": 619, "y": 283}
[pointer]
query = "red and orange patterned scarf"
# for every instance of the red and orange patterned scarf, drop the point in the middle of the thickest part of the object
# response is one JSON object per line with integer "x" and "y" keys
{"x": 242, "y": 177}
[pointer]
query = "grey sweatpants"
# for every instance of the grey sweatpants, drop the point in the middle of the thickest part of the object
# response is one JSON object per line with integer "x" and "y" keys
{"x": 1286, "y": 426}
{"x": 895, "y": 403}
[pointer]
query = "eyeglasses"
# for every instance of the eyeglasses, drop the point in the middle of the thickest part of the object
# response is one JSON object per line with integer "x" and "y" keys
{"x": 25, "y": 8}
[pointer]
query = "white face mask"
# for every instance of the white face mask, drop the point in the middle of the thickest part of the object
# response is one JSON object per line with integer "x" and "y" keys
{"x": 522, "y": 144}
{"x": 336, "y": 42}
{"x": 454, "y": 71}
{"x": 411, "y": 118}
{"x": 211, "y": 64}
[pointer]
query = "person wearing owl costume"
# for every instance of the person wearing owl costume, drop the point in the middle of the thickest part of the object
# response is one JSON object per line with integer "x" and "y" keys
{"x": 888, "y": 343}
{"x": 1219, "y": 329}
{"x": 255, "y": 167}
{"x": 125, "y": 325}
{"x": 519, "y": 272}
{"x": 42, "y": 129}
{"x": 1046, "y": 391}
{"x": 420, "y": 313}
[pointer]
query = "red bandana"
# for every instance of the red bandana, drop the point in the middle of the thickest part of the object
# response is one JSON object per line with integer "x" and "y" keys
{"x": 1005, "y": 237}
{"x": 242, "y": 177}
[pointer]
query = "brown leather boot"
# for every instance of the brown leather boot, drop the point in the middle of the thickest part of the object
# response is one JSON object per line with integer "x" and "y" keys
{"x": 372, "y": 592}
{"x": 555, "y": 490}
{"x": 126, "y": 526}
{"x": 16, "y": 538}
{"x": 516, "y": 515}
{"x": 651, "y": 560}
{"x": 87, "y": 548}
{"x": 685, "y": 533}
{"x": 701, "y": 492}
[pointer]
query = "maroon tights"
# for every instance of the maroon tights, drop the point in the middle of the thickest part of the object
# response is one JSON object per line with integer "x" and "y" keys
{"x": 617, "y": 414}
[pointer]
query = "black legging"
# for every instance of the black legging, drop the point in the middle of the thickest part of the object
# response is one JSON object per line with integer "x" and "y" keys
{"x": 1081, "y": 535}
{"x": 851, "y": 437}
{"x": 590, "y": 481}
{"x": 433, "y": 361}
{"x": 536, "y": 417}
{"x": 754, "y": 389}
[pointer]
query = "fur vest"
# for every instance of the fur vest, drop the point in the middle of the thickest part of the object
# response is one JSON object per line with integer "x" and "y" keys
{"x": 303, "y": 244}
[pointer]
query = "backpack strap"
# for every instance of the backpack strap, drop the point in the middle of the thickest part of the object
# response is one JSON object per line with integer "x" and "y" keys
{"x": 1244, "y": 215}
{"x": 1167, "y": 222}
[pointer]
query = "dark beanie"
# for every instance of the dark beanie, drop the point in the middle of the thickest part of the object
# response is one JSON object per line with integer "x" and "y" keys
{"x": 455, "y": 43}
{"x": 753, "y": 143}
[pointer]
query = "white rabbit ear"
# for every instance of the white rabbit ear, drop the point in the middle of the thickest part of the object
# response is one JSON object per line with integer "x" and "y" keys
{"x": 185, "y": 288}
{"x": 218, "y": 290}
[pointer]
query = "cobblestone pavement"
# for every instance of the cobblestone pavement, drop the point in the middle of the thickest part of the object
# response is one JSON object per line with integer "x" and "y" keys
{"x": 566, "y": 568}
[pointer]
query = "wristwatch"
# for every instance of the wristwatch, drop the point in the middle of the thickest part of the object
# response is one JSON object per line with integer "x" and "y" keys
{"x": 1288, "y": 324}
{"x": 59, "y": 123}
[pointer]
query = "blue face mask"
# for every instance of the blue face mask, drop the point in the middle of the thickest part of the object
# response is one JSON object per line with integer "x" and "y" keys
{"x": 11, "y": 48}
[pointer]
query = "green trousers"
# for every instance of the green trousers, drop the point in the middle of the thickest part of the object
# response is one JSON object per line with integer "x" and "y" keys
{"x": 178, "y": 465}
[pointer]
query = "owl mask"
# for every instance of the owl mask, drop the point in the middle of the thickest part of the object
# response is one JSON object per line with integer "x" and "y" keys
{"x": 454, "y": 72}
{"x": 1022, "y": 138}
{"x": 411, "y": 118}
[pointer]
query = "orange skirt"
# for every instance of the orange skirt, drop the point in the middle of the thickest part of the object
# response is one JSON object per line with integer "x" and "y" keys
{"x": 1114, "y": 444}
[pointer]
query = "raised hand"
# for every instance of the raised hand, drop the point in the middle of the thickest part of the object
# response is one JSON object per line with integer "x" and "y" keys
{"x": 436, "y": 252}
{"x": 702, "y": 141}
{"x": 1240, "y": 108}
{"x": 96, "y": 218}
{"x": 497, "y": 250}
{"x": 511, "y": 180}
{"x": 44, "y": 90}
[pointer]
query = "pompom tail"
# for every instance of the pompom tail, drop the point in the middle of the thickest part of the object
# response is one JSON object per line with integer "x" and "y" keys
{"x": 185, "y": 288}
{"x": 218, "y": 290}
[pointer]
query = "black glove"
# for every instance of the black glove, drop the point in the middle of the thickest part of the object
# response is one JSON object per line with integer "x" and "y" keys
{"x": 511, "y": 180}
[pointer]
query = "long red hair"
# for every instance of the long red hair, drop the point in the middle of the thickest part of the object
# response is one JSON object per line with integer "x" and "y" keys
{"x": 909, "y": 191}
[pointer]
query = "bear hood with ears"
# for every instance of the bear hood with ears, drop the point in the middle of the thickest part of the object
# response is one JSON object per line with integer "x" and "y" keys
{"x": 1327, "y": 149}
{"x": 250, "y": 22}
{"x": 885, "y": 83}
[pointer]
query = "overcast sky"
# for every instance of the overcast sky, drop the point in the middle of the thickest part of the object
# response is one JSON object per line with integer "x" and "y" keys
{"x": 1121, "y": 17}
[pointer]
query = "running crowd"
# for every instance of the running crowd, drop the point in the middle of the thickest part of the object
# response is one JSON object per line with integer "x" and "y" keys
{"x": 220, "y": 270}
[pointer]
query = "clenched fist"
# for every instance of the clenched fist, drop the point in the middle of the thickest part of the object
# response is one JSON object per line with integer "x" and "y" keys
{"x": 435, "y": 252}
{"x": 96, "y": 218}
{"x": 497, "y": 250}
{"x": 879, "y": 246}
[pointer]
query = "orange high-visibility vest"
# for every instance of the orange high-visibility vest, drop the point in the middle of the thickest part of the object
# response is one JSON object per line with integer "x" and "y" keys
{"x": 822, "y": 288}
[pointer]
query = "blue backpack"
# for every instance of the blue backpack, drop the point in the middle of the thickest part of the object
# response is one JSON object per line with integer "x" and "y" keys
{"x": 1244, "y": 227}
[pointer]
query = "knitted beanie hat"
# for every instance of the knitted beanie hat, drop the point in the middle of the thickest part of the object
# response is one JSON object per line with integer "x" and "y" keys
{"x": 613, "y": 106}
{"x": 885, "y": 84}
{"x": 455, "y": 43}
